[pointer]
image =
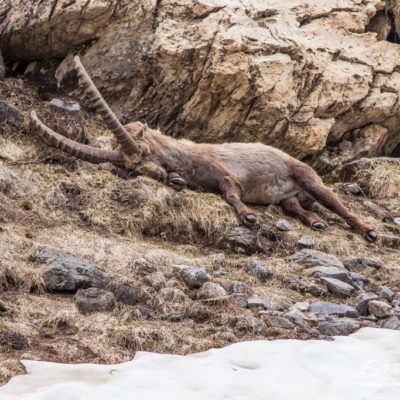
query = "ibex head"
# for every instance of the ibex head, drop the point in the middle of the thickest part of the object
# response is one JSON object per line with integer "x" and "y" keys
{"x": 130, "y": 147}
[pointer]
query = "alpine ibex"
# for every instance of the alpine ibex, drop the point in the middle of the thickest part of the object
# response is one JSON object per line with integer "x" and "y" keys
{"x": 249, "y": 172}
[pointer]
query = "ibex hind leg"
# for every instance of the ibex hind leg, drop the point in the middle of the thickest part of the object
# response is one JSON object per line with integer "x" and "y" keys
{"x": 311, "y": 182}
{"x": 293, "y": 208}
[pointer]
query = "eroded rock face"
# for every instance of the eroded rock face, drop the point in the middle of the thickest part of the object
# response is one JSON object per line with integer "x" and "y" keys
{"x": 305, "y": 77}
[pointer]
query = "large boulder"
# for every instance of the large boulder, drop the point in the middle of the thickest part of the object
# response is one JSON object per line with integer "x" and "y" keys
{"x": 304, "y": 76}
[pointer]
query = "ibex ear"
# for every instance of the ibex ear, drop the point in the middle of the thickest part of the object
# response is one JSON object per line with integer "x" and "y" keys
{"x": 142, "y": 132}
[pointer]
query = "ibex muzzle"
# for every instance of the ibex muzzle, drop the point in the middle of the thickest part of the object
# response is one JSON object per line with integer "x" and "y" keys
{"x": 252, "y": 173}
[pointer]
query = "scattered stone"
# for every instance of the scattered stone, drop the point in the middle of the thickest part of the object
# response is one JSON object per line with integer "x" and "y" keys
{"x": 300, "y": 306}
{"x": 235, "y": 287}
{"x": 124, "y": 293}
{"x": 210, "y": 290}
{"x": 392, "y": 323}
{"x": 330, "y": 272}
{"x": 146, "y": 314}
{"x": 156, "y": 280}
{"x": 338, "y": 326}
{"x": 390, "y": 241}
{"x": 396, "y": 303}
{"x": 362, "y": 303}
{"x": 241, "y": 299}
{"x": 379, "y": 308}
{"x": 243, "y": 240}
{"x": 359, "y": 281}
{"x": 2, "y": 67}
{"x": 222, "y": 272}
{"x": 259, "y": 269}
{"x": 254, "y": 302}
{"x": 359, "y": 264}
{"x": 66, "y": 106}
{"x": 385, "y": 293}
{"x": 276, "y": 321}
{"x": 194, "y": 277}
{"x": 66, "y": 272}
{"x": 337, "y": 287}
{"x": 396, "y": 220}
{"x": 94, "y": 299}
{"x": 173, "y": 295}
{"x": 10, "y": 115}
{"x": 284, "y": 225}
{"x": 326, "y": 308}
{"x": 311, "y": 287}
{"x": 305, "y": 241}
{"x": 314, "y": 258}
{"x": 354, "y": 189}
{"x": 296, "y": 317}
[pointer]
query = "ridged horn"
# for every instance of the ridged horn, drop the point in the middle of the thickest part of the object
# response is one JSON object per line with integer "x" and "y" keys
{"x": 128, "y": 145}
{"x": 79, "y": 150}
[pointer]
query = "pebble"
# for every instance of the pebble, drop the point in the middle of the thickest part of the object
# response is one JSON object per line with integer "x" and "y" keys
{"x": 194, "y": 277}
{"x": 241, "y": 299}
{"x": 359, "y": 281}
{"x": 305, "y": 241}
{"x": 337, "y": 287}
{"x": 362, "y": 302}
{"x": 255, "y": 302}
{"x": 379, "y": 308}
{"x": 210, "y": 290}
{"x": 314, "y": 258}
{"x": 385, "y": 293}
{"x": 396, "y": 220}
{"x": 354, "y": 189}
{"x": 146, "y": 314}
{"x": 94, "y": 299}
{"x": 327, "y": 308}
{"x": 392, "y": 323}
{"x": 359, "y": 264}
{"x": 259, "y": 269}
{"x": 284, "y": 225}
{"x": 65, "y": 105}
{"x": 338, "y": 326}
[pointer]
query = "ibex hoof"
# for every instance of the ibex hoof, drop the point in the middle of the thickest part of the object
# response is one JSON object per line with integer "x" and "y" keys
{"x": 176, "y": 182}
{"x": 371, "y": 236}
{"x": 318, "y": 226}
{"x": 249, "y": 220}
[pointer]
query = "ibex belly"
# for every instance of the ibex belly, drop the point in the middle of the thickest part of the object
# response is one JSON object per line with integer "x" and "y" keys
{"x": 270, "y": 193}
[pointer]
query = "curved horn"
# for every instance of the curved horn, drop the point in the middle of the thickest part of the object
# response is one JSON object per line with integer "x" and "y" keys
{"x": 79, "y": 150}
{"x": 128, "y": 145}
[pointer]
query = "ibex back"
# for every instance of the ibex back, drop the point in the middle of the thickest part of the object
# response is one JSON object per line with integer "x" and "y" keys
{"x": 249, "y": 172}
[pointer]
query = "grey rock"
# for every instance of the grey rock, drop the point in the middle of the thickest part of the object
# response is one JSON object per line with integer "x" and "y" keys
{"x": 276, "y": 321}
{"x": 10, "y": 115}
{"x": 312, "y": 287}
{"x": 261, "y": 270}
{"x": 246, "y": 241}
{"x": 146, "y": 314}
{"x": 396, "y": 220}
{"x": 235, "y": 287}
{"x": 222, "y": 272}
{"x": 331, "y": 272}
{"x": 198, "y": 312}
{"x": 210, "y": 290}
{"x": 241, "y": 299}
{"x": 337, "y": 287}
{"x": 300, "y": 306}
{"x": 296, "y": 317}
{"x": 359, "y": 281}
{"x": 66, "y": 272}
{"x": 2, "y": 67}
{"x": 124, "y": 293}
{"x": 392, "y": 323}
{"x": 359, "y": 264}
{"x": 390, "y": 241}
{"x": 362, "y": 302}
{"x": 194, "y": 277}
{"x": 305, "y": 241}
{"x": 327, "y": 308}
{"x": 313, "y": 258}
{"x": 396, "y": 303}
{"x": 386, "y": 293}
{"x": 94, "y": 299}
{"x": 173, "y": 295}
{"x": 379, "y": 308}
{"x": 68, "y": 106}
{"x": 255, "y": 302}
{"x": 156, "y": 280}
{"x": 338, "y": 326}
{"x": 354, "y": 189}
{"x": 284, "y": 225}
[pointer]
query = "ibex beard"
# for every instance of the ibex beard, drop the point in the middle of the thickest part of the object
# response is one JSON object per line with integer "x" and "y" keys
{"x": 251, "y": 173}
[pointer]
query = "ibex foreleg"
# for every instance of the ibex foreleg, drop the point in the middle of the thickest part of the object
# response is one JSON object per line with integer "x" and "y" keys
{"x": 232, "y": 192}
{"x": 293, "y": 208}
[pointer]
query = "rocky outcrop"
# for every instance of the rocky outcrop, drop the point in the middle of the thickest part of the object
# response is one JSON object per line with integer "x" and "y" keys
{"x": 306, "y": 77}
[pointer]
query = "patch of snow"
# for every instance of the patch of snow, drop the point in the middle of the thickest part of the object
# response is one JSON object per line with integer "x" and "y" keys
{"x": 364, "y": 365}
